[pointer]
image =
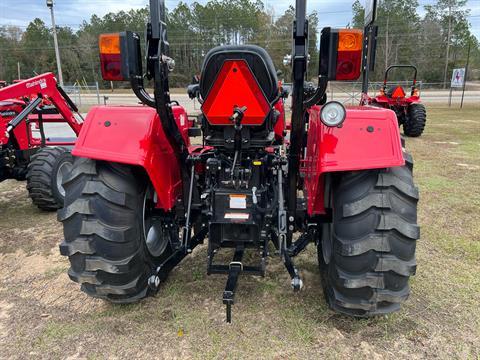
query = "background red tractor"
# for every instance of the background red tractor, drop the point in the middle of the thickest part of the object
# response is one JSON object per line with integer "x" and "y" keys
{"x": 26, "y": 152}
{"x": 411, "y": 113}
{"x": 141, "y": 197}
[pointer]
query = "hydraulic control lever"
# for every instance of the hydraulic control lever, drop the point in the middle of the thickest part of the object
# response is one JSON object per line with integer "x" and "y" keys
{"x": 236, "y": 118}
{"x": 238, "y": 114}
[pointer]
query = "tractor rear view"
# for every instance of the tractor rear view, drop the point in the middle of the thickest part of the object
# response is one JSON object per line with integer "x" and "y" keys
{"x": 411, "y": 113}
{"x": 26, "y": 153}
{"x": 140, "y": 197}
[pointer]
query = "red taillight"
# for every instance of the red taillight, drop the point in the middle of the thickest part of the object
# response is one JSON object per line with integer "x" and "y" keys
{"x": 111, "y": 57}
{"x": 348, "y": 65}
{"x": 235, "y": 86}
{"x": 111, "y": 66}
{"x": 349, "y": 54}
{"x": 341, "y": 54}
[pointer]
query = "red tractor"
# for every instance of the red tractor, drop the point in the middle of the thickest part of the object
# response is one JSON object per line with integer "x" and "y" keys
{"x": 411, "y": 113}
{"x": 25, "y": 151}
{"x": 141, "y": 197}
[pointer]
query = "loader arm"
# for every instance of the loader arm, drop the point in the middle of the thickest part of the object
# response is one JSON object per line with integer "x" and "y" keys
{"x": 45, "y": 86}
{"x": 300, "y": 37}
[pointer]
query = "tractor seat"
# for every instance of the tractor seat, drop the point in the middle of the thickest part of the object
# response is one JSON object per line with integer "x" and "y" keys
{"x": 257, "y": 59}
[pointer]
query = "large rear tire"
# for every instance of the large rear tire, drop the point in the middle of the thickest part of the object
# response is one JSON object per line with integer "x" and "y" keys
{"x": 367, "y": 254}
{"x": 415, "y": 120}
{"x": 46, "y": 171}
{"x": 107, "y": 219}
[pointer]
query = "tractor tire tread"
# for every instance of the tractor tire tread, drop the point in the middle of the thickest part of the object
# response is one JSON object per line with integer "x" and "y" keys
{"x": 40, "y": 180}
{"x": 374, "y": 239}
{"x": 415, "y": 120}
{"x": 104, "y": 253}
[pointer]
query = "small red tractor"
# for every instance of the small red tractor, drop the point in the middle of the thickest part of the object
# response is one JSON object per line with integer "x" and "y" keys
{"x": 411, "y": 113}
{"x": 140, "y": 197}
{"x": 25, "y": 152}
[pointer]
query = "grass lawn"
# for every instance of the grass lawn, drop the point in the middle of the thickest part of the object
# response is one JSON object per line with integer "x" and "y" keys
{"x": 44, "y": 315}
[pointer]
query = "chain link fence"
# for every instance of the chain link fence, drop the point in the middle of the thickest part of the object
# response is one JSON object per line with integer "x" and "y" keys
{"x": 84, "y": 95}
{"x": 349, "y": 93}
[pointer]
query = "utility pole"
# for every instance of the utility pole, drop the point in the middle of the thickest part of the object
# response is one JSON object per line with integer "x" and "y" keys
{"x": 386, "y": 44}
{"x": 18, "y": 69}
{"x": 448, "y": 43}
{"x": 55, "y": 41}
{"x": 451, "y": 88}
{"x": 466, "y": 72}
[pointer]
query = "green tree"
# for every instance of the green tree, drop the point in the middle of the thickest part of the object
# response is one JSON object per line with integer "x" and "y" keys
{"x": 10, "y": 55}
{"x": 432, "y": 43}
{"x": 38, "y": 51}
{"x": 452, "y": 17}
{"x": 398, "y": 27}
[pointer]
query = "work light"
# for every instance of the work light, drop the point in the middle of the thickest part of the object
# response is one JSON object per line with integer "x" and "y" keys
{"x": 333, "y": 114}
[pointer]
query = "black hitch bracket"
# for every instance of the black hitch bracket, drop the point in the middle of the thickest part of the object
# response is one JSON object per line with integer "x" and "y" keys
{"x": 233, "y": 270}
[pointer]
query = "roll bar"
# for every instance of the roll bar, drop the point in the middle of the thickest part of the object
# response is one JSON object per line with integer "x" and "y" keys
{"x": 401, "y": 67}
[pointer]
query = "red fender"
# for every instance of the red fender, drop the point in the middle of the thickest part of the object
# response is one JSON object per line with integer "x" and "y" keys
{"x": 368, "y": 139}
{"x": 386, "y": 101}
{"x": 381, "y": 99}
{"x": 413, "y": 99}
{"x": 134, "y": 135}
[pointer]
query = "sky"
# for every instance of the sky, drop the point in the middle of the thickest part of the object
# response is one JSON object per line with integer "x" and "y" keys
{"x": 73, "y": 12}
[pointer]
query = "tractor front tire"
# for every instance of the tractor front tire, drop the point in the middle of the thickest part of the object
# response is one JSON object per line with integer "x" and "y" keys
{"x": 367, "y": 254}
{"x": 46, "y": 171}
{"x": 415, "y": 120}
{"x": 103, "y": 222}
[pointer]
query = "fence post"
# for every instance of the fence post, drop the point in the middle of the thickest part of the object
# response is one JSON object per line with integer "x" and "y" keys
{"x": 79, "y": 96}
{"x": 98, "y": 92}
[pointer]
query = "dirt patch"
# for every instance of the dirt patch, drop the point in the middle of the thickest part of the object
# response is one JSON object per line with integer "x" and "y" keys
{"x": 469, "y": 166}
{"x": 47, "y": 281}
{"x": 24, "y": 227}
{"x": 5, "y": 308}
{"x": 24, "y": 267}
